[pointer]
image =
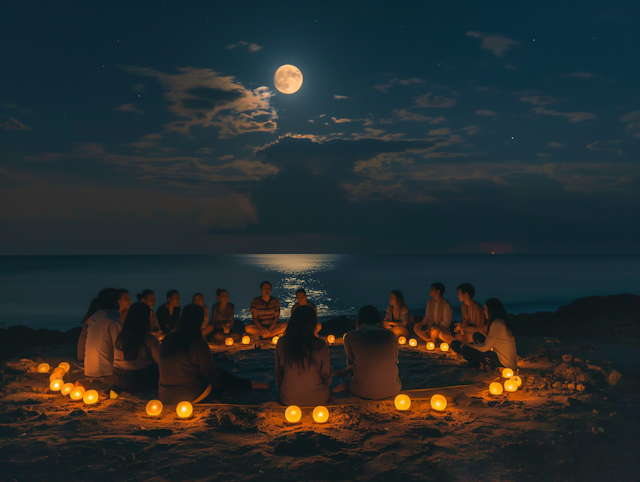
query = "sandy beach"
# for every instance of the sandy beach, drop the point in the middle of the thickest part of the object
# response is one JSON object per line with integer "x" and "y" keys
{"x": 574, "y": 418}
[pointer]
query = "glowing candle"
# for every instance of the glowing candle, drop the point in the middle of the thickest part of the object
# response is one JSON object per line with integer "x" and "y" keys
{"x": 438, "y": 402}
{"x": 507, "y": 373}
{"x": 43, "y": 368}
{"x": 246, "y": 339}
{"x": 184, "y": 409}
{"x": 154, "y": 407}
{"x": 65, "y": 366}
{"x": 331, "y": 339}
{"x": 517, "y": 379}
{"x": 320, "y": 414}
{"x": 444, "y": 347}
{"x": 510, "y": 386}
{"x": 402, "y": 340}
{"x": 293, "y": 414}
{"x": 90, "y": 397}
{"x": 275, "y": 339}
{"x": 66, "y": 388}
{"x": 228, "y": 341}
{"x": 413, "y": 342}
{"x": 495, "y": 388}
{"x": 402, "y": 402}
{"x": 77, "y": 393}
{"x": 431, "y": 346}
{"x": 56, "y": 385}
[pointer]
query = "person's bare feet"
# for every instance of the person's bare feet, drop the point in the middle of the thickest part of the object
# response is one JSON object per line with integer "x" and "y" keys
{"x": 343, "y": 387}
{"x": 259, "y": 385}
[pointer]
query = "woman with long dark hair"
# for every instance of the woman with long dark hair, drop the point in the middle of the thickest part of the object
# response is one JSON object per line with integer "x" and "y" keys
{"x": 498, "y": 348}
{"x": 303, "y": 362}
{"x": 187, "y": 371}
{"x": 220, "y": 326}
{"x": 82, "y": 341}
{"x": 148, "y": 297}
{"x": 136, "y": 353}
{"x": 398, "y": 317}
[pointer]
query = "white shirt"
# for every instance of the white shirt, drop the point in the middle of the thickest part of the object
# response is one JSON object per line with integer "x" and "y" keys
{"x": 503, "y": 344}
{"x": 102, "y": 330}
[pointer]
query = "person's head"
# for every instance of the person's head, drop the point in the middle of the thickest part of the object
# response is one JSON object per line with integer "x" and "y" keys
{"x": 466, "y": 292}
{"x": 437, "y": 291}
{"x": 301, "y": 295}
{"x": 222, "y": 295}
{"x": 173, "y": 298}
{"x": 299, "y": 340}
{"x": 495, "y": 310}
{"x": 368, "y": 315}
{"x": 125, "y": 299}
{"x": 108, "y": 299}
{"x": 134, "y": 329}
{"x": 148, "y": 297}
{"x": 198, "y": 299}
{"x": 93, "y": 307}
{"x": 265, "y": 288}
{"x": 396, "y": 298}
{"x": 189, "y": 331}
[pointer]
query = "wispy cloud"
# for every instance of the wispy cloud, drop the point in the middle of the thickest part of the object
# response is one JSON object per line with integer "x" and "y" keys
{"x": 486, "y": 112}
{"x": 130, "y": 108}
{"x": 571, "y": 116}
{"x": 340, "y": 97}
{"x": 343, "y": 120}
{"x": 605, "y": 146}
{"x": 382, "y": 87}
{"x": 471, "y": 129}
{"x": 633, "y": 125}
{"x": 498, "y": 44}
{"x": 438, "y": 101}
{"x": 539, "y": 100}
{"x": 14, "y": 124}
{"x": 445, "y": 131}
{"x": 556, "y": 144}
{"x": 251, "y": 47}
{"x": 410, "y": 81}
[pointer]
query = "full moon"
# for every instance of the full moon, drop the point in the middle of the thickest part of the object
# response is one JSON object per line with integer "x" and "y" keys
{"x": 288, "y": 79}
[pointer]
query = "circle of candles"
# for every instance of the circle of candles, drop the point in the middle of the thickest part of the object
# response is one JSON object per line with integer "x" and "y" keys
{"x": 90, "y": 397}
{"x": 431, "y": 346}
{"x": 56, "y": 385}
{"x": 510, "y": 386}
{"x": 413, "y": 342}
{"x": 507, "y": 373}
{"x": 402, "y": 340}
{"x": 246, "y": 339}
{"x": 65, "y": 366}
{"x": 66, "y": 388}
{"x": 77, "y": 393}
{"x": 331, "y": 339}
{"x": 495, "y": 388}
{"x": 43, "y": 368}
{"x": 438, "y": 402}
{"x": 402, "y": 402}
{"x": 154, "y": 407}
{"x": 444, "y": 347}
{"x": 320, "y": 414}
{"x": 228, "y": 341}
{"x": 293, "y": 414}
{"x": 275, "y": 339}
{"x": 517, "y": 379}
{"x": 56, "y": 375}
{"x": 184, "y": 409}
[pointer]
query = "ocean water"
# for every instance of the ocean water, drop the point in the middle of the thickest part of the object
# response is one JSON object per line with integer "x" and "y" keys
{"x": 55, "y": 291}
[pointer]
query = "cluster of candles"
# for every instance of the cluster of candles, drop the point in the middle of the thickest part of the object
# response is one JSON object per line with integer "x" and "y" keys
{"x": 57, "y": 384}
{"x": 511, "y": 383}
{"x": 430, "y": 345}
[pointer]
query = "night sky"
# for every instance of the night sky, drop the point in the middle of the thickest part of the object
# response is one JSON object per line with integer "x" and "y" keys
{"x": 439, "y": 127}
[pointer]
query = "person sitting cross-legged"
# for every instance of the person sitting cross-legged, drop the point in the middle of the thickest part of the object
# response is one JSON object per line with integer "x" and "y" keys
{"x": 398, "y": 318}
{"x": 302, "y": 300}
{"x": 265, "y": 314}
{"x": 437, "y": 316}
{"x": 472, "y": 318}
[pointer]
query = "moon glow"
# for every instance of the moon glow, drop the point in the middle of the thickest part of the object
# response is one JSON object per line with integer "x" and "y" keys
{"x": 288, "y": 79}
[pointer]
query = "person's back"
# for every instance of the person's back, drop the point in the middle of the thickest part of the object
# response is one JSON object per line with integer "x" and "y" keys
{"x": 102, "y": 330}
{"x": 373, "y": 353}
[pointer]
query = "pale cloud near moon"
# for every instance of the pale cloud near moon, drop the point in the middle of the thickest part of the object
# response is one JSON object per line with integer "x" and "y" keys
{"x": 498, "y": 44}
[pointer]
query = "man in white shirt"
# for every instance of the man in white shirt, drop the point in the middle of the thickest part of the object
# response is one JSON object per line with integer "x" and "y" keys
{"x": 102, "y": 330}
{"x": 437, "y": 316}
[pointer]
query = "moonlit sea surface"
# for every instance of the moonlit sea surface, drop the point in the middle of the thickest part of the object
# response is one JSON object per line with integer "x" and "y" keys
{"x": 55, "y": 291}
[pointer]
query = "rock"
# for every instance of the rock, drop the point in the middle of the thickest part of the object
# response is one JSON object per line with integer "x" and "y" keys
{"x": 614, "y": 377}
{"x": 567, "y": 358}
{"x": 557, "y": 385}
{"x": 580, "y": 387}
{"x": 571, "y": 386}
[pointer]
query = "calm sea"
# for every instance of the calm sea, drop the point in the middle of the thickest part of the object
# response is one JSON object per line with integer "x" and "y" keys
{"x": 55, "y": 291}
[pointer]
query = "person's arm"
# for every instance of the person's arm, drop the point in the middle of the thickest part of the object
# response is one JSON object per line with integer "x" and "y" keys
{"x": 208, "y": 370}
{"x": 276, "y": 315}
{"x": 279, "y": 367}
{"x": 494, "y": 334}
{"x": 254, "y": 316}
{"x": 405, "y": 318}
{"x": 447, "y": 315}
{"x": 326, "y": 371}
{"x": 388, "y": 317}
{"x": 82, "y": 341}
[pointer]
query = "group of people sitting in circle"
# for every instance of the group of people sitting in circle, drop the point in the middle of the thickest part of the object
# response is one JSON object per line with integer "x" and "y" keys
{"x": 142, "y": 350}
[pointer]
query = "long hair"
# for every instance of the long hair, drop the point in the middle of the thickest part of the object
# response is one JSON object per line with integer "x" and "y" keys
{"x": 93, "y": 307}
{"x": 400, "y": 299}
{"x": 497, "y": 311}
{"x": 189, "y": 331}
{"x": 368, "y": 315}
{"x": 134, "y": 329}
{"x": 144, "y": 294}
{"x": 299, "y": 340}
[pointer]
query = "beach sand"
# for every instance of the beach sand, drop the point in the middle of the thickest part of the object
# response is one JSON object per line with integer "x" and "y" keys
{"x": 547, "y": 430}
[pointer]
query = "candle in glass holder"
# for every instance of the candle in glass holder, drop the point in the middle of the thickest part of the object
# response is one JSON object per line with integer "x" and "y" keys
{"x": 517, "y": 379}
{"x": 90, "y": 397}
{"x": 320, "y": 414}
{"x": 402, "y": 340}
{"x": 65, "y": 366}
{"x": 43, "y": 368}
{"x": 510, "y": 386}
{"x": 66, "y": 388}
{"x": 413, "y": 342}
{"x": 56, "y": 385}
{"x": 293, "y": 414}
{"x": 154, "y": 407}
{"x": 246, "y": 339}
{"x": 58, "y": 373}
{"x": 507, "y": 373}
{"x": 331, "y": 339}
{"x": 77, "y": 393}
{"x": 402, "y": 402}
{"x": 438, "y": 402}
{"x": 275, "y": 339}
{"x": 495, "y": 388}
{"x": 228, "y": 341}
{"x": 444, "y": 347}
{"x": 184, "y": 409}
{"x": 431, "y": 346}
